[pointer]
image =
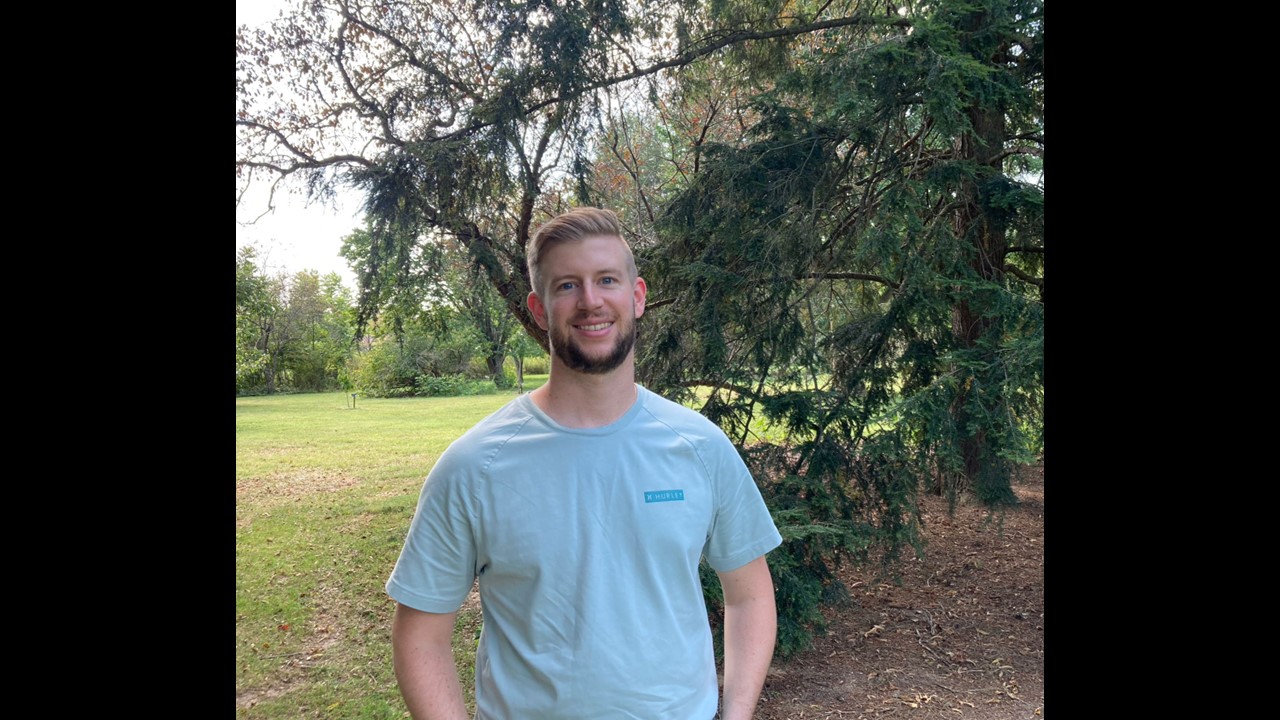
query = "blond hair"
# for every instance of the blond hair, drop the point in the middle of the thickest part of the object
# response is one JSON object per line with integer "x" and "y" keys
{"x": 572, "y": 226}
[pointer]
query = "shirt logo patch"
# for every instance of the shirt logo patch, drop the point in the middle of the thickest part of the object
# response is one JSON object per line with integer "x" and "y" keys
{"x": 653, "y": 496}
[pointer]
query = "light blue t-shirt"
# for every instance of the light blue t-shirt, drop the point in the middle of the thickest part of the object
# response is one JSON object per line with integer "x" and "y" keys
{"x": 586, "y": 543}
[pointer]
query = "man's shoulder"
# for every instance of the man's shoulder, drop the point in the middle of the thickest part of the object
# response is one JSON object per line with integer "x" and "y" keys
{"x": 496, "y": 428}
{"x": 679, "y": 418}
{"x": 470, "y": 455}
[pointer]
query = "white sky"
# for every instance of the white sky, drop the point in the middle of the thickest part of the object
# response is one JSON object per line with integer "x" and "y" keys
{"x": 294, "y": 237}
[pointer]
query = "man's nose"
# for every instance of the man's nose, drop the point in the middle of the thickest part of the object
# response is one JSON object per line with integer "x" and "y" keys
{"x": 589, "y": 297}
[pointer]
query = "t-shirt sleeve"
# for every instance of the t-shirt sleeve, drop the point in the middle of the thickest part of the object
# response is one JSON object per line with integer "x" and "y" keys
{"x": 743, "y": 528}
{"x": 436, "y": 567}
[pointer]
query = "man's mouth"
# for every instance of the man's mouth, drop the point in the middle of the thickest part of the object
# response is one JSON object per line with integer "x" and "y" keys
{"x": 596, "y": 326}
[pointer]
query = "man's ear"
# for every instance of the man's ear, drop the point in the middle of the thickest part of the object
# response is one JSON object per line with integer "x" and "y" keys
{"x": 641, "y": 291}
{"x": 538, "y": 309}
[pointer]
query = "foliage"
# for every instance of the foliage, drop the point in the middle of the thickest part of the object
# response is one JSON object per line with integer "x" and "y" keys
{"x": 390, "y": 367}
{"x": 432, "y": 285}
{"x": 253, "y": 300}
{"x": 437, "y": 360}
{"x": 537, "y": 365}
{"x": 453, "y": 386}
{"x": 292, "y": 333}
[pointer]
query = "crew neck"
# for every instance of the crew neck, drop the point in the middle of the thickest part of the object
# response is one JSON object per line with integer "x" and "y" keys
{"x": 613, "y": 427}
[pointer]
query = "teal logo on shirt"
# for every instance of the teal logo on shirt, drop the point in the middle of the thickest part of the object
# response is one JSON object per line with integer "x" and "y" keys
{"x": 653, "y": 496}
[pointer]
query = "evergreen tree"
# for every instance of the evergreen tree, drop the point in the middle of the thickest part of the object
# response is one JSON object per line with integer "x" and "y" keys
{"x": 830, "y": 201}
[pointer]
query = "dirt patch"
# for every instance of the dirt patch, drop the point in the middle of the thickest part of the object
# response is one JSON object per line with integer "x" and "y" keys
{"x": 961, "y": 637}
{"x": 295, "y": 666}
{"x": 325, "y": 631}
{"x": 281, "y": 487}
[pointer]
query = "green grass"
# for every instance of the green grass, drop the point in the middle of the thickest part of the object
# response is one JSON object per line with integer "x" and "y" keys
{"x": 324, "y": 494}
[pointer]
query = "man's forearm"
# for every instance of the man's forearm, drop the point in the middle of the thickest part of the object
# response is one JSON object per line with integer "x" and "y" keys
{"x": 750, "y": 631}
{"x": 422, "y": 656}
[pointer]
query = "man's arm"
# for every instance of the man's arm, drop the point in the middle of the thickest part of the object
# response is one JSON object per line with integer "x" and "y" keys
{"x": 750, "y": 631}
{"x": 422, "y": 654}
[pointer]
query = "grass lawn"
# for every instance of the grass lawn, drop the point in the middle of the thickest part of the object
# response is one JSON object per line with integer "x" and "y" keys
{"x": 324, "y": 494}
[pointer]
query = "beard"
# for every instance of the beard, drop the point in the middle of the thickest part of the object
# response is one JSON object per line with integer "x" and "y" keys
{"x": 573, "y": 356}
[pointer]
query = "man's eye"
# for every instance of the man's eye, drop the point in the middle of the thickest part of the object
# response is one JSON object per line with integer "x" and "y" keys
{"x": 609, "y": 280}
{"x": 566, "y": 286}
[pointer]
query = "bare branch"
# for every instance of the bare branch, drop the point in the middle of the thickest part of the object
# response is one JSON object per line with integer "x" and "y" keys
{"x": 852, "y": 276}
{"x": 305, "y": 162}
{"x": 1038, "y": 282}
{"x": 1019, "y": 150}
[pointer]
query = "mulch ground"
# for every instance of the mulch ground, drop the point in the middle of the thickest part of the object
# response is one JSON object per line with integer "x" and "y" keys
{"x": 962, "y": 635}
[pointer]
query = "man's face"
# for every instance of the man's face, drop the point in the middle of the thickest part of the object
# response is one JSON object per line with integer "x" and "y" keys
{"x": 589, "y": 304}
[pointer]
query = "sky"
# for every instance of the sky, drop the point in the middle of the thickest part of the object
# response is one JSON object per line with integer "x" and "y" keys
{"x": 294, "y": 237}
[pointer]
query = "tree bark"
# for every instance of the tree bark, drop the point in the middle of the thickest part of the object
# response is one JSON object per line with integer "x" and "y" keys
{"x": 981, "y": 146}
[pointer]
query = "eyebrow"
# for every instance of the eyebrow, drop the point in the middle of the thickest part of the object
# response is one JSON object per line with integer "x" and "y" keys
{"x": 557, "y": 279}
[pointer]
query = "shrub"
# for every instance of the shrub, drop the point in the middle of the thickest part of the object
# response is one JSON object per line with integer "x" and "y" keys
{"x": 539, "y": 365}
{"x": 442, "y": 386}
{"x": 845, "y": 503}
{"x": 383, "y": 370}
{"x": 451, "y": 386}
{"x": 507, "y": 381}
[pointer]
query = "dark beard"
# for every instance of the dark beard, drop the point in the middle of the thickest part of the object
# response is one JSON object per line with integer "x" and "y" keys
{"x": 572, "y": 356}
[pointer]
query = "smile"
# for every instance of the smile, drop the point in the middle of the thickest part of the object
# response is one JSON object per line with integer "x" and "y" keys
{"x": 597, "y": 326}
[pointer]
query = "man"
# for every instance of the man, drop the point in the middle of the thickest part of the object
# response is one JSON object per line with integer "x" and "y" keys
{"x": 583, "y": 509}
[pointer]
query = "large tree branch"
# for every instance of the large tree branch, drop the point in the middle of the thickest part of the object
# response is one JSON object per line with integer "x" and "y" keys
{"x": 851, "y": 276}
{"x": 721, "y": 384}
{"x": 1038, "y": 282}
{"x": 712, "y": 45}
{"x": 412, "y": 59}
{"x": 303, "y": 160}
{"x": 1019, "y": 150}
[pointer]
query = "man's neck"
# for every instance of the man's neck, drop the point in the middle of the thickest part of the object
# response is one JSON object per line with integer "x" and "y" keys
{"x": 579, "y": 400}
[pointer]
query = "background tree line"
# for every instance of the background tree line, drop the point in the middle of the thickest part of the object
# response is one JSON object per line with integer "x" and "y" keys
{"x": 838, "y": 206}
{"x": 298, "y": 333}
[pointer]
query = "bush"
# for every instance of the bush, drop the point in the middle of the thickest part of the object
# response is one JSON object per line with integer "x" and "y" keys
{"x": 382, "y": 370}
{"x": 451, "y": 386}
{"x": 477, "y": 368}
{"x": 539, "y": 365}
{"x": 507, "y": 381}
{"x": 825, "y": 512}
{"x": 442, "y": 386}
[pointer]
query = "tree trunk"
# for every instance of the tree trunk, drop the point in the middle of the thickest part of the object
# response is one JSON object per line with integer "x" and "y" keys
{"x": 494, "y": 363}
{"x": 983, "y": 468}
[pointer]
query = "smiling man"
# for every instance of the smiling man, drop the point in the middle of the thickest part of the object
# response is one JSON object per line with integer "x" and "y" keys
{"x": 584, "y": 509}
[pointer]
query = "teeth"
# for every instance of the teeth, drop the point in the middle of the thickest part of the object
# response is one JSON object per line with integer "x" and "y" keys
{"x": 597, "y": 326}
